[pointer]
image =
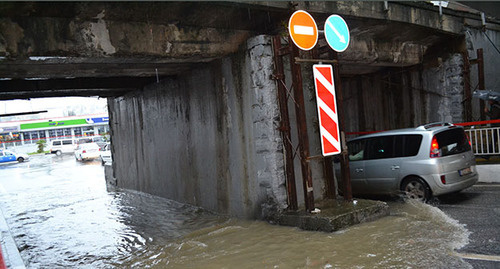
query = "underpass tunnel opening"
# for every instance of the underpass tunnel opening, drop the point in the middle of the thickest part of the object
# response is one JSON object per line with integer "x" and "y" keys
{"x": 60, "y": 108}
{"x": 26, "y": 123}
{"x": 419, "y": 81}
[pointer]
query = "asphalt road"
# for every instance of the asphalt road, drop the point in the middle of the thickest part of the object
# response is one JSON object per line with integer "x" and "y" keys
{"x": 479, "y": 209}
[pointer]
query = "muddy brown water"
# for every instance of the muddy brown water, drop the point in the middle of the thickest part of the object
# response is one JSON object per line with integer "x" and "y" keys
{"x": 61, "y": 216}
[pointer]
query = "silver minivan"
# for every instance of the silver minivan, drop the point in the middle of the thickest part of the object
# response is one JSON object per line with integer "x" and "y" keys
{"x": 421, "y": 162}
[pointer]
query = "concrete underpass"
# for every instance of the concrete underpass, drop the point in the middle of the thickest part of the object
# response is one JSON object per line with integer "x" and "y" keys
{"x": 192, "y": 87}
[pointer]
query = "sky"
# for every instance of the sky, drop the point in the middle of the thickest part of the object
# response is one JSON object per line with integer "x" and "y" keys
{"x": 56, "y": 107}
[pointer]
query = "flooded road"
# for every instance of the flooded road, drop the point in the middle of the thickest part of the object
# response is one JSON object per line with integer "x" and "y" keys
{"x": 61, "y": 216}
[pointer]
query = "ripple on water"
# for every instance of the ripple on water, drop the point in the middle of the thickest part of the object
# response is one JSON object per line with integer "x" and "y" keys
{"x": 73, "y": 222}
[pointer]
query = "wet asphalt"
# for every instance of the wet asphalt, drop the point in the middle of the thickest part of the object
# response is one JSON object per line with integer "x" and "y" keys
{"x": 478, "y": 208}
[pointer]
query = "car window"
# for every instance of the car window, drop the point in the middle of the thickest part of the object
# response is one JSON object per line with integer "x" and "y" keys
{"x": 406, "y": 145}
{"x": 356, "y": 150}
{"x": 67, "y": 142}
{"x": 56, "y": 143}
{"x": 412, "y": 145}
{"x": 452, "y": 141}
{"x": 85, "y": 140}
{"x": 380, "y": 147}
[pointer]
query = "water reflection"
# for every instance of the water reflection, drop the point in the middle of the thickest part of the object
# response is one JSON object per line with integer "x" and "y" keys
{"x": 62, "y": 217}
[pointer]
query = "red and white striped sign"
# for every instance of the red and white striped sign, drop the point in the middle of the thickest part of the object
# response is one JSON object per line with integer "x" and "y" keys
{"x": 327, "y": 109}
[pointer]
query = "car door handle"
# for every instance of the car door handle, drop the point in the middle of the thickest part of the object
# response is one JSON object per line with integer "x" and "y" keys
{"x": 359, "y": 170}
{"x": 394, "y": 167}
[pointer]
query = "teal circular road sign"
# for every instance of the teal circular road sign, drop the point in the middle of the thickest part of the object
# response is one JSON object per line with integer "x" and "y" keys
{"x": 337, "y": 33}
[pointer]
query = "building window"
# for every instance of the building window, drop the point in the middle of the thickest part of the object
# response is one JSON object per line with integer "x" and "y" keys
{"x": 101, "y": 130}
{"x": 67, "y": 131}
{"x": 59, "y": 132}
{"x": 78, "y": 131}
{"x": 88, "y": 131}
{"x": 52, "y": 134}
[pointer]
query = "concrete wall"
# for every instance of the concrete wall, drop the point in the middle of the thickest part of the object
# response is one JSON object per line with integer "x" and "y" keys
{"x": 477, "y": 39}
{"x": 405, "y": 97}
{"x": 445, "y": 83}
{"x": 208, "y": 137}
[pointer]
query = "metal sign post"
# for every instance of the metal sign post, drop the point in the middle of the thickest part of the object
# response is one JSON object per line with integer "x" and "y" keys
{"x": 298, "y": 93}
{"x": 304, "y": 34}
{"x": 344, "y": 156}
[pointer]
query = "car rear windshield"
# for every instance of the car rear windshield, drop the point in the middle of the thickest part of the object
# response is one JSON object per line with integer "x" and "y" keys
{"x": 453, "y": 141}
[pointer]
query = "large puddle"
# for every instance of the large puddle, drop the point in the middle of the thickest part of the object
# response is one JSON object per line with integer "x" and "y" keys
{"x": 61, "y": 216}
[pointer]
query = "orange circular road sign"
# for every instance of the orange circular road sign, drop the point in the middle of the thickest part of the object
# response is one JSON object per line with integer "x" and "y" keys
{"x": 303, "y": 30}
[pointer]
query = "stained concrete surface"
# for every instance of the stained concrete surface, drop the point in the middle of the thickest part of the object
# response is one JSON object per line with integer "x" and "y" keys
{"x": 333, "y": 215}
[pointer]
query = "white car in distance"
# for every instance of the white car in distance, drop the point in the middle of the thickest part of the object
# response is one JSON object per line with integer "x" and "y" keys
{"x": 106, "y": 154}
{"x": 87, "y": 151}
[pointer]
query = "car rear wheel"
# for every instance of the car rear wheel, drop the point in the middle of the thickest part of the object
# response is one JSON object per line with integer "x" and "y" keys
{"x": 416, "y": 188}
{"x": 20, "y": 159}
{"x": 58, "y": 153}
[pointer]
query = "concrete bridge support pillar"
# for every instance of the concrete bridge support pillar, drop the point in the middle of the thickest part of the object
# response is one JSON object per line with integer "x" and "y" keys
{"x": 207, "y": 137}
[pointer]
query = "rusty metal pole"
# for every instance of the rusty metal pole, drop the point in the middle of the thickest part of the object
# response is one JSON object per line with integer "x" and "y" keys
{"x": 344, "y": 158}
{"x": 480, "y": 74}
{"x": 467, "y": 92}
{"x": 302, "y": 127}
{"x": 285, "y": 125}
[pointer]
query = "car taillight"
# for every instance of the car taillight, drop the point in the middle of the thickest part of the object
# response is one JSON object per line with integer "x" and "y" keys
{"x": 435, "y": 151}
{"x": 84, "y": 151}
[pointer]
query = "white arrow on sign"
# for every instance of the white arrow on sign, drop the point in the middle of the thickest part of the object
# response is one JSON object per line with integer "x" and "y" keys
{"x": 341, "y": 37}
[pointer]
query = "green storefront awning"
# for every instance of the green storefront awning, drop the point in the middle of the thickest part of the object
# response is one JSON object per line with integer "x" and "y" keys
{"x": 52, "y": 124}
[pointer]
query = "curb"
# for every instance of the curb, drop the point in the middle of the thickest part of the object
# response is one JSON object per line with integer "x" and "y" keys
{"x": 488, "y": 173}
{"x": 9, "y": 252}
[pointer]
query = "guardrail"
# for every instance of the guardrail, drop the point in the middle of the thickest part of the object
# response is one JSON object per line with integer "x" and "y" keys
{"x": 484, "y": 140}
{"x": 483, "y": 136}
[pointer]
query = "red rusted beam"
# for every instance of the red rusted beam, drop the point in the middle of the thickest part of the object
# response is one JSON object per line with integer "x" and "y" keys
{"x": 481, "y": 86}
{"x": 285, "y": 125}
{"x": 344, "y": 157}
{"x": 302, "y": 127}
{"x": 477, "y": 122}
{"x": 467, "y": 91}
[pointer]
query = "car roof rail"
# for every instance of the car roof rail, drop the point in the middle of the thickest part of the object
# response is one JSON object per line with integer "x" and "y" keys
{"x": 434, "y": 124}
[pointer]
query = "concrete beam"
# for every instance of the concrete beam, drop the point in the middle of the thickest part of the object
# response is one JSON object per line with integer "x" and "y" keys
{"x": 65, "y": 93}
{"x": 118, "y": 39}
{"x": 69, "y": 67}
{"x": 76, "y": 83}
{"x": 415, "y": 13}
{"x": 94, "y": 29}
